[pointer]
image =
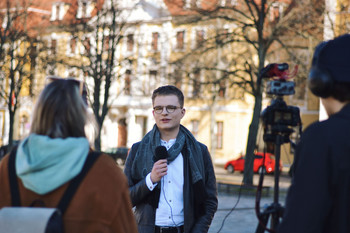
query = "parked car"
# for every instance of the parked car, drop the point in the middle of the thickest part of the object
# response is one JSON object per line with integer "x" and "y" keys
{"x": 119, "y": 154}
{"x": 258, "y": 167}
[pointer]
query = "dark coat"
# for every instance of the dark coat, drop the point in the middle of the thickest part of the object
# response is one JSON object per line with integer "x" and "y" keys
{"x": 145, "y": 212}
{"x": 319, "y": 197}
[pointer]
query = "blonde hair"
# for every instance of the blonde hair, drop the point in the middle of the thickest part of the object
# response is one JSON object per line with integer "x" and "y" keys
{"x": 60, "y": 111}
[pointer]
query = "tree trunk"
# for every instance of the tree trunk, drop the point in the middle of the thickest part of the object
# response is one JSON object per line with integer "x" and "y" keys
{"x": 12, "y": 100}
{"x": 12, "y": 119}
{"x": 97, "y": 142}
{"x": 212, "y": 128}
{"x": 251, "y": 144}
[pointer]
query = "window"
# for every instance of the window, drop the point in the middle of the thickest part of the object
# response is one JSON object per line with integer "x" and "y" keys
{"x": 228, "y": 3}
{"x": 199, "y": 38}
{"x": 83, "y": 9}
{"x": 219, "y": 134}
{"x": 6, "y": 20}
{"x": 195, "y": 127}
{"x": 153, "y": 74}
{"x": 122, "y": 132}
{"x": 222, "y": 88}
{"x": 106, "y": 40}
{"x": 140, "y": 127}
{"x": 51, "y": 68}
{"x": 196, "y": 85}
{"x": 55, "y": 12}
{"x": 24, "y": 125}
{"x": 73, "y": 45}
{"x": 87, "y": 46}
{"x": 222, "y": 36}
{"x": 152, "y": 81}
{"x": 58, "y": 11}
{"x": 180, "y": 40}
{"x": 192, "y": 3}
{"x": 130, "y": 42}
{"x": 127, "y": 82}
{"x": 155, "y": 37}
{"x": 178, "y": 78}
{"x": 196, "y": 88}
{"x": 53, "y": 46}
{"x": 275, "y": 12}
{"x": 58, "y": 8}
{"x": 72, "y": 72}
{"x": 187, "y": 3}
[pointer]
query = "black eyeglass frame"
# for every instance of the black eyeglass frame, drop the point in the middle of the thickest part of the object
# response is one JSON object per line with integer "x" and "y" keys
{"x": 168, "y": 108}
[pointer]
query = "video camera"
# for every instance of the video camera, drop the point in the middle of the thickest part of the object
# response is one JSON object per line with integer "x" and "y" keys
{"x": 279, "y": 117}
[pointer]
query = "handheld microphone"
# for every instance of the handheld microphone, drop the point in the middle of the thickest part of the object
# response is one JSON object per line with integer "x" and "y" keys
{"x": 160, "y": 153}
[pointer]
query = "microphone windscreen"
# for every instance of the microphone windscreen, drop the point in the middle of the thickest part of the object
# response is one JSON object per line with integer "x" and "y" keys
{"x": 160, "y": 153}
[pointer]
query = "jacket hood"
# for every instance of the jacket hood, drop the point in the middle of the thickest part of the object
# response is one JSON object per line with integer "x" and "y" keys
{"x": 44, "y": 164}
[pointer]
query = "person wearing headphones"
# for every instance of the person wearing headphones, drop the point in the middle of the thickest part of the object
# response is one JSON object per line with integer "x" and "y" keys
{"x": 318, "y": 199}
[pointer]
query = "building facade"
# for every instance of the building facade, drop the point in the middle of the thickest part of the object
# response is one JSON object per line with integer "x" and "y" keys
{"x": 154, "y": 39}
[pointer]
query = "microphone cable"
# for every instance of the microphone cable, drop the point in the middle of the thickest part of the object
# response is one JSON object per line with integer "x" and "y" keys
{"x": 171, "y": 209}
{"x": 233, "y": 208}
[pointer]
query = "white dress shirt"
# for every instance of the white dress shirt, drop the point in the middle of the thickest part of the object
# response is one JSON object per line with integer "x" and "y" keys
{"x": 170, "y": 207}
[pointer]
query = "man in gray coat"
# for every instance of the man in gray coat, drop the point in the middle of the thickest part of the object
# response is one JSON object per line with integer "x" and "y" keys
{"x": 170, "y": 174}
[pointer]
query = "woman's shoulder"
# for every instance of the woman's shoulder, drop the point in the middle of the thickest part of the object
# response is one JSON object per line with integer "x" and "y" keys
{"x": 106, "y": 177}
{"x": 106, "y": 166}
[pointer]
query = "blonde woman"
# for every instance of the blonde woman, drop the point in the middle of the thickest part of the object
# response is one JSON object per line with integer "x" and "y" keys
{"x": 55, "y": 152}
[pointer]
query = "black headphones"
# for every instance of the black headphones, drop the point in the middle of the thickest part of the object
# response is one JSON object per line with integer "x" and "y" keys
{"x": 320, "y": 82}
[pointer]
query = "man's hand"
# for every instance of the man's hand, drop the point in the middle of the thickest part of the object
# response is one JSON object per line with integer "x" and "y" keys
{"x": 159, "y": 170}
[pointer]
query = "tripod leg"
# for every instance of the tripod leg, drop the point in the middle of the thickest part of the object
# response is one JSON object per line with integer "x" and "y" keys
{"x": 264, "y": 218}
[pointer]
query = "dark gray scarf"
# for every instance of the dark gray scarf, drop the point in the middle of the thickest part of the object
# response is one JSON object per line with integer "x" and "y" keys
{"x": 143, "y": 162}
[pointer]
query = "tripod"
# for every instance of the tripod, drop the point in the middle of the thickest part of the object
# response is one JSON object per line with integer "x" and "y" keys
{"x": 275, "y": 210}
{"x": 278, "y": 118}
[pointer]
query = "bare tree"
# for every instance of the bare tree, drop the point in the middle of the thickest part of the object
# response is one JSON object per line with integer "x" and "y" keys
{"x": 259, "y": 32}
{"x": 18, "y": 54}
{"x": 97, "y": 41}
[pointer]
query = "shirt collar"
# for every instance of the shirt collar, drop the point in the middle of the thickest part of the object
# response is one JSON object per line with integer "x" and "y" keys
{"x": 167, "y": 144}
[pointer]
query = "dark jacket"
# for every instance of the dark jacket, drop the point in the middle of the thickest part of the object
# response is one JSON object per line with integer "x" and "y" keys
{"x": 145, "y": 213}
{"x": 318, "y": 200}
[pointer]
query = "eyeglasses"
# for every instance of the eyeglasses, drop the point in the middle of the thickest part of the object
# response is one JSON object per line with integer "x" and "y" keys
{"x": 72, "y": 81}
{"x": 169, "y": 109}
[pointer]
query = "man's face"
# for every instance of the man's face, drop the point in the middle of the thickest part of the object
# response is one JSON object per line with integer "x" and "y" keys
{"x": 167, "y": 121}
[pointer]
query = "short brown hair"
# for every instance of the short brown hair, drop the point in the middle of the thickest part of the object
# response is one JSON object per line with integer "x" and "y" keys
{"x": 169, "y": 90}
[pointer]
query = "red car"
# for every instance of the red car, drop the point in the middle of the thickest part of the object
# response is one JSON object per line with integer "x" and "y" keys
{"x": 258, "y": 167}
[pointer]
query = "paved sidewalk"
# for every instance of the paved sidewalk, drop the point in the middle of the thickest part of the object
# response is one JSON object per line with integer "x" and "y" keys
{"x": 243, "y": 218}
